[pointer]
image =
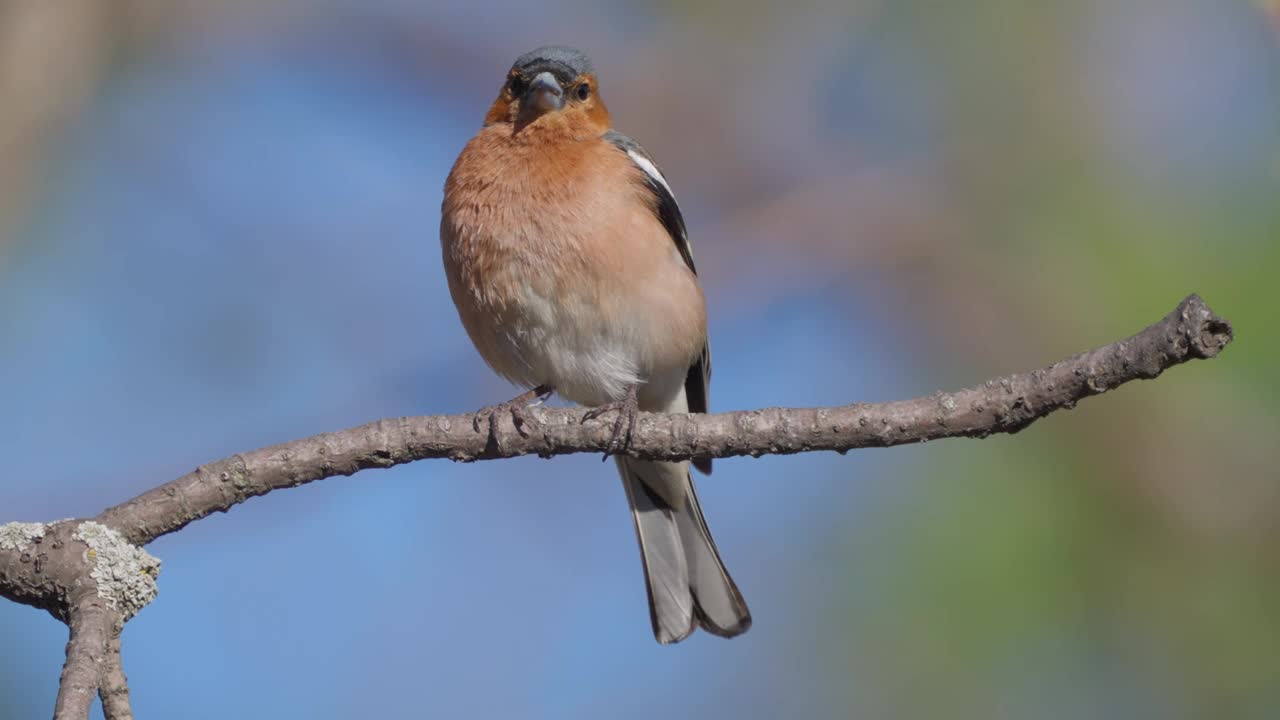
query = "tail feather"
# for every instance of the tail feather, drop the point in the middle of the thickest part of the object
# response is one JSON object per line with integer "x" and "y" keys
{"x": 720, "y": 607}
{"x": 666, "y": 569}
{"x": 687, "y": 583}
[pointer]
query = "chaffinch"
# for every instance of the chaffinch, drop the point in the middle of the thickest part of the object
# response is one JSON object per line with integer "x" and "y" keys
{"x": 569, "y": 264}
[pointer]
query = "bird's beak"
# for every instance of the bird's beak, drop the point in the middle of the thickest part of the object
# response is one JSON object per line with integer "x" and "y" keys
{"x": 543, "y": 96}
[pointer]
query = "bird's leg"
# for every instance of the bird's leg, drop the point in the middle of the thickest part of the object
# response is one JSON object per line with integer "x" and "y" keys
{"x": 627, "y": 409}
{"x": 518, "y": 406}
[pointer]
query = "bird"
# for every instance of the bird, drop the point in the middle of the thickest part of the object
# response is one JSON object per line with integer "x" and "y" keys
{"x": 569, "y": 264}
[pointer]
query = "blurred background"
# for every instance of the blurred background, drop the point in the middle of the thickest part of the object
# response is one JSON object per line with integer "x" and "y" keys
{"x": 218, "y": 231}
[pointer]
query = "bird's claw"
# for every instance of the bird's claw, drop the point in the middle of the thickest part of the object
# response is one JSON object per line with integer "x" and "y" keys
{"x": 518, "y": 407}
{"x": 490, "y": 416}
{"x": 628, "y": 409}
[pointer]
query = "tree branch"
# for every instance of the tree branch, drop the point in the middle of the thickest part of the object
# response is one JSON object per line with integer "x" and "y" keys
{"x": 113, "y": 686}
{"x": 94, "y": 575}
{"x": 91, "y": 628}
{"x": 1003, "y": 405}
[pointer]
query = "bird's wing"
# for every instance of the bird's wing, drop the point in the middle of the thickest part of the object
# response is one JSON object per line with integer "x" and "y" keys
{"x": 698, "y": 382}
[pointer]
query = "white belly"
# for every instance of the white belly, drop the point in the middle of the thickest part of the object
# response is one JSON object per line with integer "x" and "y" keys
{"x": 588, "y": 360}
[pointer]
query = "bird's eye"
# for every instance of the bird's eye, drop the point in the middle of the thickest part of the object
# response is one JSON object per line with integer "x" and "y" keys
{"x": 517, "y": 85}
{"x": 584, "y": 91}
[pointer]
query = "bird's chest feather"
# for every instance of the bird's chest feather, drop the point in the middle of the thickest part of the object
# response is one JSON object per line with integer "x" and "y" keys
{"x": 562, "y": 273}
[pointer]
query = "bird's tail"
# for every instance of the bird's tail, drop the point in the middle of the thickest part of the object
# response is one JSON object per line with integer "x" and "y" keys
{"x": 687, "y": 582}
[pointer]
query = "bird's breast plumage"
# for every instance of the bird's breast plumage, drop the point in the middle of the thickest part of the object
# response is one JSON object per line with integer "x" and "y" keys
{"x": 561, "y": 271}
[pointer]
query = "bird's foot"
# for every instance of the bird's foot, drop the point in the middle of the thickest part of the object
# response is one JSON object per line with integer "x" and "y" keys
{"x": 627, "y": 408}
{"x": 518, "y": 407}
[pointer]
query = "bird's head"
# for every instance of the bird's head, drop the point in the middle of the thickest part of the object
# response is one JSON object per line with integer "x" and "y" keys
{"x": 554, "y": 88}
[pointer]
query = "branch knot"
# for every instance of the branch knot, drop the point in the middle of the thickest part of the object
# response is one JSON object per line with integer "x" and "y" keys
{"x": 1206, "y": 333}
